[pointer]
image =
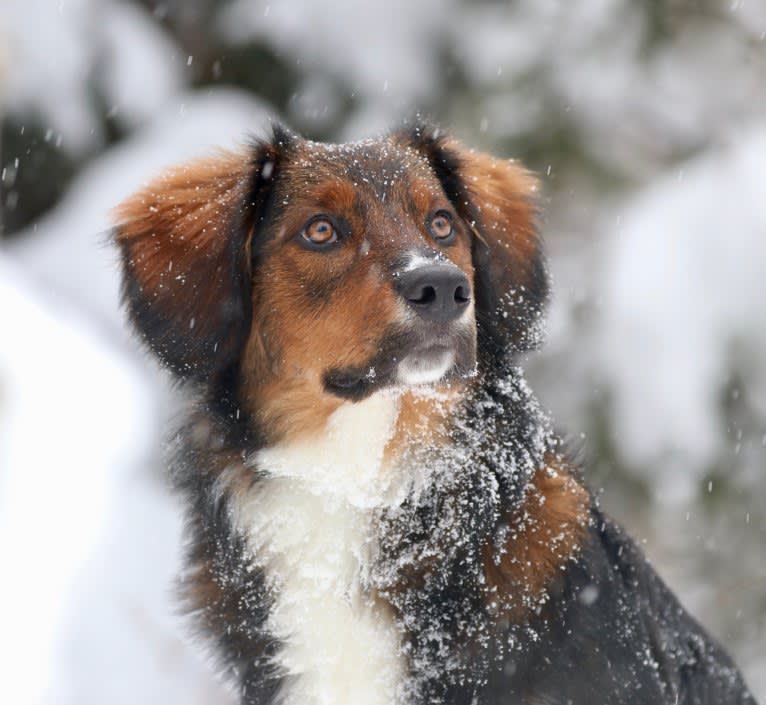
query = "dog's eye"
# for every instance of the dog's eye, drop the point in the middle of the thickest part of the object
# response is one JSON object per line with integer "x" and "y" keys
{"x": 440, "y": 226}
{"x": 319, "y": 232}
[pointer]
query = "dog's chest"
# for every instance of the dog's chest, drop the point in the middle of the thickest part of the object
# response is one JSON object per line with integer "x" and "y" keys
{"x": 309, "y": 525}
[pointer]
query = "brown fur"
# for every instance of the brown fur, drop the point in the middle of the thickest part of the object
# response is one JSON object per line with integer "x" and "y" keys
{"x": 316, "y": 311}
{"x": 507, "y": 193}
{"x": 541, "y": 536}
{"x": 178, "y": 247}
{"x": 423, "y": 419}
{"x": 175, "y": 231}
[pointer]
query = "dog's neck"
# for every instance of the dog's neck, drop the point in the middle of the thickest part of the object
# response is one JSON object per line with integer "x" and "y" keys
{"x": 342, "y": 461}
{"x": 332, "y": 524}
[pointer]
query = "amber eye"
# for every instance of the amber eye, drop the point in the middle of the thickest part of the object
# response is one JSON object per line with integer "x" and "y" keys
{"x": 440, "y": 226}
{"x": 319, "y": 232}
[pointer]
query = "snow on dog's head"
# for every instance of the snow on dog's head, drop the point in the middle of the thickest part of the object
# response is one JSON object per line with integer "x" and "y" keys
{"x": 296, "y": 276}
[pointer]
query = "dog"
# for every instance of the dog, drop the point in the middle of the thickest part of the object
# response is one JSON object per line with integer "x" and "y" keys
{"x": 379, "y": 511}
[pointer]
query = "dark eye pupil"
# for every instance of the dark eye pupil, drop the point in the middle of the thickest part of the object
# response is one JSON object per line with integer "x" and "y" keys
{"x": 320, "y": 231}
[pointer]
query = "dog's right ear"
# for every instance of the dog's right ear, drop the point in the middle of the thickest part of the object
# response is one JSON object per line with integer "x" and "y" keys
{"x": 185, "y": 241}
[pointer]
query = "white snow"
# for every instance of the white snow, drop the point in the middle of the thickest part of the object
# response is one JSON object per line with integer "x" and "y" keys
{"x": 684, "y": 287}
{"x": 142, "y": 70}
{"x": 87, "y": 525}
{"x": 46, "y": 63}
{"x": 55, "y": 491}
{"x": 54, "y": 53}
{"x": 89, "y": 538}
{"x": 392, "y": 65}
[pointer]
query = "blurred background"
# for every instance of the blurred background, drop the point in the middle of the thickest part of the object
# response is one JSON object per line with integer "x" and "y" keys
{"x": 646, "y": 120}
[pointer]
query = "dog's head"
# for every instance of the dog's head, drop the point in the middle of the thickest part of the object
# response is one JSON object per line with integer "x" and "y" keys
{"x": 298, "y": 274}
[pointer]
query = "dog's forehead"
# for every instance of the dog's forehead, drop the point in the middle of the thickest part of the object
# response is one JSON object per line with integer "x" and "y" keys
{"x": 382, "y": 165}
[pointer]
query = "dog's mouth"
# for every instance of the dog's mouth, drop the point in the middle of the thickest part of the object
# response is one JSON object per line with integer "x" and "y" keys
{"x": 351, "y": 383}
{"x": 405, "y": 363}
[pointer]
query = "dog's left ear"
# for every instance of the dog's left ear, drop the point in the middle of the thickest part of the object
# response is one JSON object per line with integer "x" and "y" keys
{"x": 497, "y": 198}
{"x": 185, "y": 241}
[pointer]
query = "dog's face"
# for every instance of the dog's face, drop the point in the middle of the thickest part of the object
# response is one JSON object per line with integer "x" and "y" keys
{"x": 363, "y": 274}
{"x": 306, "y": 274}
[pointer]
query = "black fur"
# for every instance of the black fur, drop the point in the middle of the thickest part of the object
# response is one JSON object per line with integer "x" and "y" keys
{"x": 500, "y": 439}
{"x": 613, "y": 633}
{"x": 234, "y": 617}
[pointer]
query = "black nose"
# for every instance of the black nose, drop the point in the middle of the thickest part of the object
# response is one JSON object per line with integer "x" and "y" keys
{"x": 438, "y": 292}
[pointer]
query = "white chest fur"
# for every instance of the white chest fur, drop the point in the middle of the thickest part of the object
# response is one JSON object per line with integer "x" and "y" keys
{"x": 309, "y": 525}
